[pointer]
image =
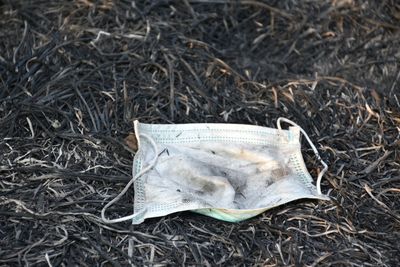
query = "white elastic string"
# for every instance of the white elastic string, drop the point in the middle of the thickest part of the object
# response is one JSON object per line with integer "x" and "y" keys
{"x": 118, "y": 197}
{"x": 319, "y": 178}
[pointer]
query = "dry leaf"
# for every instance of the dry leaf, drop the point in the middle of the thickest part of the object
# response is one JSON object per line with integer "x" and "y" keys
{"x": 131, "y": 141}
{"x": 328, "y": 34}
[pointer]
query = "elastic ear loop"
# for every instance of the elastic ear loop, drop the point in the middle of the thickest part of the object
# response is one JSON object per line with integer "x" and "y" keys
{"x": 139, "y": 174}
{"x": 319, "y": 178}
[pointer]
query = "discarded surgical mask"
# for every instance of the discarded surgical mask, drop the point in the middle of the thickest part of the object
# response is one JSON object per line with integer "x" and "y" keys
{"x": 227, "y": 171}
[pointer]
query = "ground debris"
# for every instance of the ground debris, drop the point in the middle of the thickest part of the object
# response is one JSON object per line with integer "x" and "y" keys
{"x": 74, "y": 75}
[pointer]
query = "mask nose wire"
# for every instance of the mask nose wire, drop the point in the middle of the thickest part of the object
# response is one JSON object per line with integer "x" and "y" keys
{"x": 319, "y": 178}
{"x": 139, "y": 174}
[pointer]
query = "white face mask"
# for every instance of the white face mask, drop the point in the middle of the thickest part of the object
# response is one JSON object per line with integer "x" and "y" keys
{"x": 227, "y": 171}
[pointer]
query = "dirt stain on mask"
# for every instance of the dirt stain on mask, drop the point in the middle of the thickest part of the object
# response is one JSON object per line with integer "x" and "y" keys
{"x": 208, "y": 188}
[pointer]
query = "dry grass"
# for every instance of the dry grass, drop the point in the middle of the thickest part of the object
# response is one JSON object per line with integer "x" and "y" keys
{"x": 74, "y": 74}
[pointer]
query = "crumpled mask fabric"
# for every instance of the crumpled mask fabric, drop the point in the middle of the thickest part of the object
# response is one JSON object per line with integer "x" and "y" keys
{"x": 231, "y": 172}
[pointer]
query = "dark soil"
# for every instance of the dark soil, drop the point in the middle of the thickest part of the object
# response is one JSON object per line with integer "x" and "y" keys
{"x": 75, "y": 74}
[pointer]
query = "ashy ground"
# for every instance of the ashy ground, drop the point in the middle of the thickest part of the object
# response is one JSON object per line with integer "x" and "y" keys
{"x": 75, "y": 74}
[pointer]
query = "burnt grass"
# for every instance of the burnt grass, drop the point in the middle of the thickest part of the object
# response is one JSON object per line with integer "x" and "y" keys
{"x": 75, "y": 74}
